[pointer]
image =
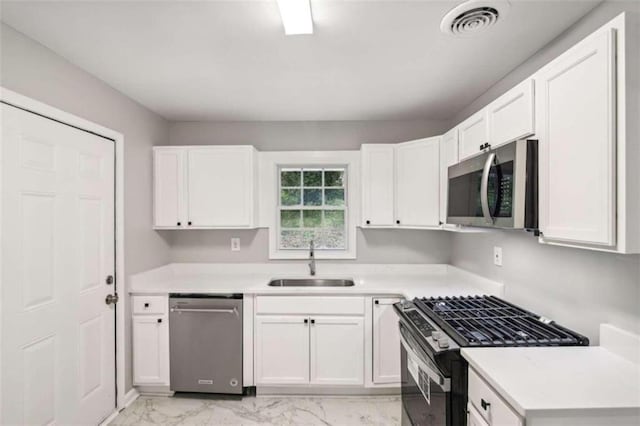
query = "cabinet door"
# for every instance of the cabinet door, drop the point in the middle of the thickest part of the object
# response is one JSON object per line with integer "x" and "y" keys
{"x": 473, "y": 132}
{"x": 282, "y": 349}
{"x": 386, "y": 341}
{"x": 474, "y": 418}
{"x": 377, "y": 185}
{"x": 168, "y": 176}
{"x": 220, "y": 191}
{"x": 511, "y": 116}
{"x": 577, "y": 143}
{"x": 337, "y": 350}
{"x": 448, "y": 157}
{"x": 418, "y": 183}
{"x": 150, "y": 350}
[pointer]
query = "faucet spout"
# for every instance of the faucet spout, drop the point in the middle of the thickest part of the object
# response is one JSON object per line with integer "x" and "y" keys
{"x": 312, "y": 259}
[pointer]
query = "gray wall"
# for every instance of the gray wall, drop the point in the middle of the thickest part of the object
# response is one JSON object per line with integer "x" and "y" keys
{"x": 302, "y": 135}
{"x": 32, "y": 70}
{"x": 374, "y": 246}
{"x": 578, "y": 288}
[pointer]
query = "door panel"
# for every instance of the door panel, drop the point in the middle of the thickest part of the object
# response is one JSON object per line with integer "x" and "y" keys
{"x": 150, "y": 350}
{"x": 337, "y": 350}
{"x": 282, "y": 349}
{"x": 418, "y": 183}
{"x": 473, "y": 132}
{"x": 386, "y": 342}
{"x": 511, "y": 116}
{"x": 448, "y": 157}
{"x": 378, "y": 185}
{"x": 577, "y": 144}
{"x": 169, "y": 187}
{"x": 58, "y": 248}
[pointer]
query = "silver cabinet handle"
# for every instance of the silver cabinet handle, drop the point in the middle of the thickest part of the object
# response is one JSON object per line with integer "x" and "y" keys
{"x": 213, "y": 311}
{"x": 484, "y": 188}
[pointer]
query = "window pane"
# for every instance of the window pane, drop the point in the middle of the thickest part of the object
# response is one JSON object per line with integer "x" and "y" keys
{"x": 313, "y": 197}
{"x": 334, "y": 239}
{"x": 334, "y": 197}
{"x": 289, "y": 178}
{"x": 312, "y": 218}
{"x": 334, "y": 218}
{"x": 334, "y": 178}
{"x": 290, "y": 197}
{"x": 290, "y": 218}
{"x": 313, "y": 178}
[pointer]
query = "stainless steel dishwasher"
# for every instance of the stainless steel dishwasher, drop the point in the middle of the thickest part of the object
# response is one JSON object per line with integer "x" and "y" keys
{"x": 205, "y": 337}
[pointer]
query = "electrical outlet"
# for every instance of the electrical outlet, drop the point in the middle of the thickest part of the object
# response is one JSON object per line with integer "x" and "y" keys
{"x": 235, "y": 244}
{"x": 497, "y": 256}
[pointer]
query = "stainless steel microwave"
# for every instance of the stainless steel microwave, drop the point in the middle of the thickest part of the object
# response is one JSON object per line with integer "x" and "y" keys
{"x": 496, "y": 189}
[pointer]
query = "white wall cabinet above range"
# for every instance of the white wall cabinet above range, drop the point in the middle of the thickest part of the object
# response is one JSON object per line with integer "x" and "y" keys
{"x": 205, "y": 187}
{"x": 473, "y": 135}
{"x": 401, "y": 184}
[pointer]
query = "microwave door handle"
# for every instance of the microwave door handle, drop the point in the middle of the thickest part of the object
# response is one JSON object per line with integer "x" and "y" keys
{"x": 484, "y": 188}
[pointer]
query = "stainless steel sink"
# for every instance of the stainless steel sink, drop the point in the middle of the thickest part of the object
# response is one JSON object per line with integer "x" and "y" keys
{"x": 311, "y": 282}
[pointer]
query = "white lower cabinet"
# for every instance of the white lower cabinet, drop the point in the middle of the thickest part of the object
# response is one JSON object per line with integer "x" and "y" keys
{"x": 337, "y": 350}
{"x": 282, "y": 349}
{"x": 490, "y": 408}
{"x": 386, "y": 341}
{"x": 150, "y": 350}
{"x": 322, "y": 346}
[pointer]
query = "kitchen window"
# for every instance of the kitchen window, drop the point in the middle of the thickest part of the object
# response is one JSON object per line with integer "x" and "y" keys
{"x": 312, "y": 205}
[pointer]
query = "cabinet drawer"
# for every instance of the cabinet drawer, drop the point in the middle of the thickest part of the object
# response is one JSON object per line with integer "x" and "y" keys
{"x": 489, "y": 404}
{"x": 309, "y": 305}
{"x": 150, "y": 304}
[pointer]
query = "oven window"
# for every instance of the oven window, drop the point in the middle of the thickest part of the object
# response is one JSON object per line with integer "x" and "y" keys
{"x": 464, "y": 192}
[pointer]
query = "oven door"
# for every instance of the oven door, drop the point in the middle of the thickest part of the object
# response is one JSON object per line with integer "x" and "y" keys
{"x": 497, "y": 189}
{"x": 425, "y": 390}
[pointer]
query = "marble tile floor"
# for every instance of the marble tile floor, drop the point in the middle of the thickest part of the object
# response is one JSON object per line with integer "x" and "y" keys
{"x": 263, "y": 410}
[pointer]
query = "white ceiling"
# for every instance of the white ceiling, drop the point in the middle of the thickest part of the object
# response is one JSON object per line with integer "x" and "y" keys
{"x": 230, "y": 60}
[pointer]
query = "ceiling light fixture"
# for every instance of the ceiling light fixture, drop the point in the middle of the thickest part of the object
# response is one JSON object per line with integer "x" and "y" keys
{"x": 296, "y": 16}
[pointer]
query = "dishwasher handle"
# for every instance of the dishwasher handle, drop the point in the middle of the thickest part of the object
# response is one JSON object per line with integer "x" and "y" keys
{"x": 210, "y": 310}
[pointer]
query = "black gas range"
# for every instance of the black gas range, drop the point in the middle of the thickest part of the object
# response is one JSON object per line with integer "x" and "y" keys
{"x": 432, "y": 331}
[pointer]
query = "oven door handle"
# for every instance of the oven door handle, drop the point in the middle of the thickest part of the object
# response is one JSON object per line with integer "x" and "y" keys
{"x": 442, "y": 381}
{"x": 484, "y": 188}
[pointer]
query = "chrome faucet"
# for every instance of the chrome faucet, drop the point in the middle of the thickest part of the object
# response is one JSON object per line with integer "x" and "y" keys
{"x": 312, "y": 260}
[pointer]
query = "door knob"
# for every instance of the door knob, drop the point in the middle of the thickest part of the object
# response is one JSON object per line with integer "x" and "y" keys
{"x": 111, "y": 299}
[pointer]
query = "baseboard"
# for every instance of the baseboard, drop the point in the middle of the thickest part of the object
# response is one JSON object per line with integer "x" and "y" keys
{"x": 129, "y": 397}
{"x": 325, "y": 391}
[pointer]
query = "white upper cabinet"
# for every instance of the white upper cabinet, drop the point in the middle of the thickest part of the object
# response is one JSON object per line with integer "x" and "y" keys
{"x": 377, "y": 184}
{"x": 448, "y": 157}
{"x": 205, "y": 187}
{"x": 401, "y": 184}
{"x": 577, "y": 133}
{"x": 418, "y": 183}
{"x": 473, "y": 134}
{"x": 169, "y": 183}
{"x": 511, "y": 116}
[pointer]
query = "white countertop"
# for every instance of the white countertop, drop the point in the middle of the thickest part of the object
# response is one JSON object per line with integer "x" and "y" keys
{"x": 542, "y": 379}
{"x": 250, "y": 278}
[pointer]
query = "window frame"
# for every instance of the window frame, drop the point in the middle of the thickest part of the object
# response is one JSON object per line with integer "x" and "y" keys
{"x": 302, "y": 207}
{"x": 270, "y": 164}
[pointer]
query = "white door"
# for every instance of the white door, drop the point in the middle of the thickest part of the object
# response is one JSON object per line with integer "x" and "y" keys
{"x": 418, "y": 183}
{"x": 386, "y": 341}
{"x": 577, "y": 143}
{"x": 169, "y": 187}
{"x": 337, "y": 350}
{"x": 150, "y": 350}
{"x": 473, "y": 133}
{"x": 448, "y": 157}
{"x": 58, "y": 335}
{"x": 282, "y": 349}
{"x": 377, "y": 184}
{"x": 220, "y": 186}
{"x": 511, "y": 115}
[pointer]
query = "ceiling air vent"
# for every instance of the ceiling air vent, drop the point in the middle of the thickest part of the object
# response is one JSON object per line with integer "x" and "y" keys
{"x": 473, "y": 16}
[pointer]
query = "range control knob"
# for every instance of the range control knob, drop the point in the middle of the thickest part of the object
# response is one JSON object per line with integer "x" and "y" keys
{"x": 443, "y": 343}
{"x": 437, "y": 335}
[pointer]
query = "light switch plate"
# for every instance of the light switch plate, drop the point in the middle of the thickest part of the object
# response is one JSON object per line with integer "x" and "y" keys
{"x": 497, "y": 256}
{"x": 235, "y": 244}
